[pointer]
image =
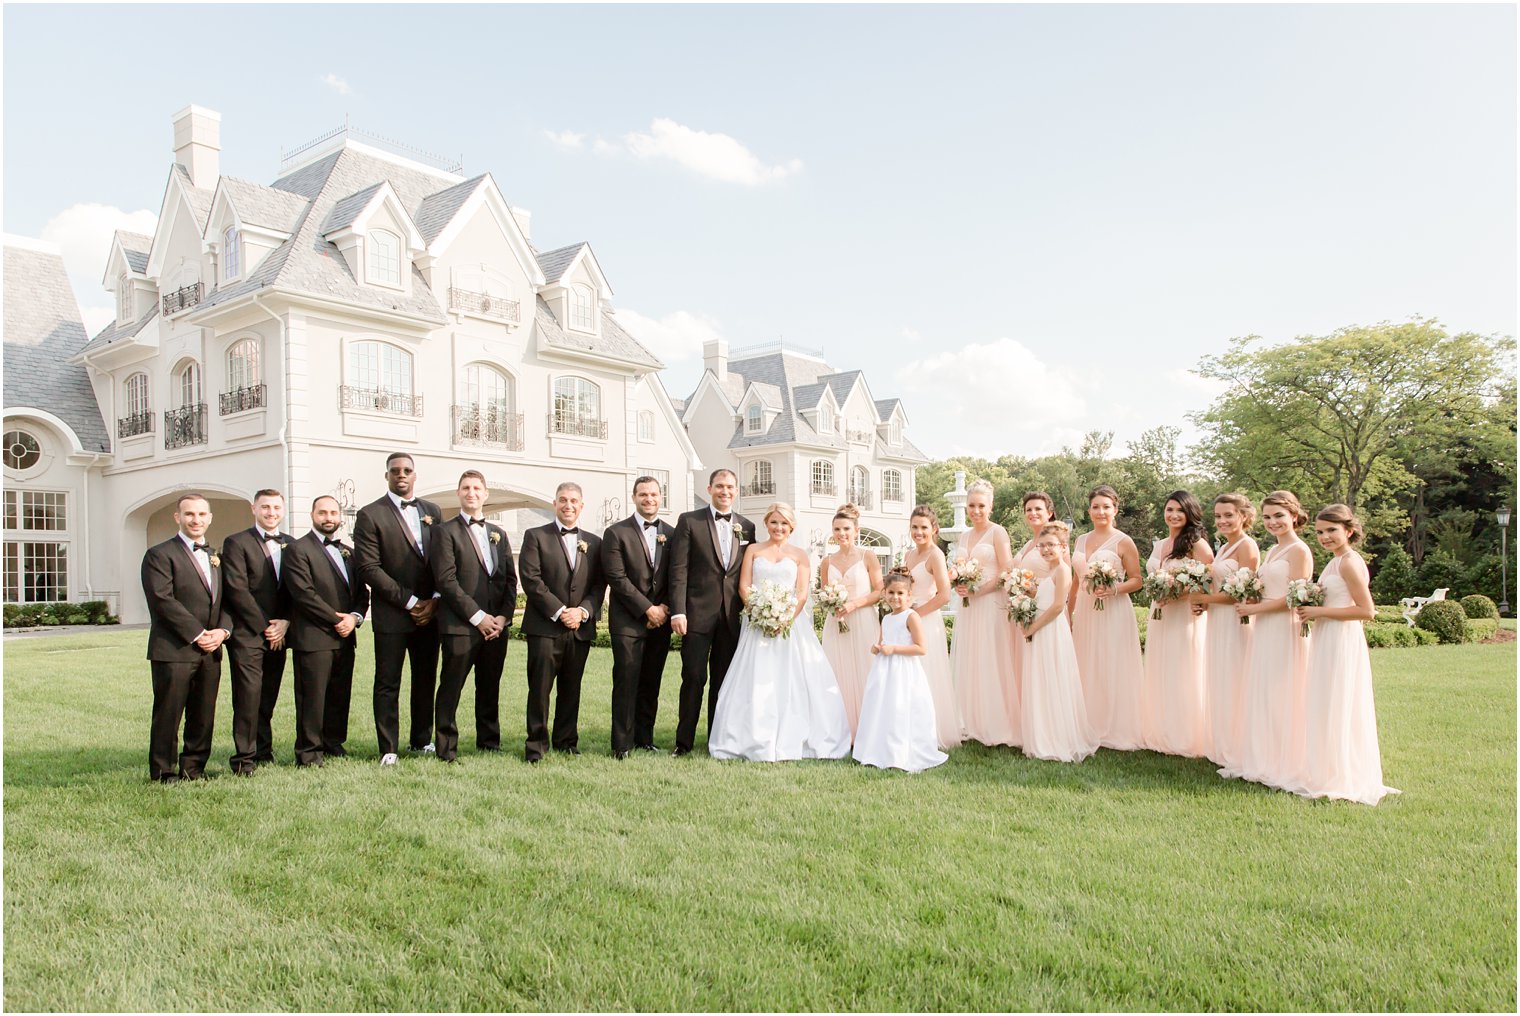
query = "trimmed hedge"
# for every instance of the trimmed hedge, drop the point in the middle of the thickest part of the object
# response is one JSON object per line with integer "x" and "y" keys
{"x": 1381, "y": 635}
{"x": 1479, "y": 606}
{"x": 45, "y": 615}
{"x": 1480, "y": 629}
{"x": 1446, "y": 619}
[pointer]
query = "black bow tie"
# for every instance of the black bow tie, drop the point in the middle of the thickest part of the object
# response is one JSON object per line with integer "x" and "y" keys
{"x": 409, "y": 504}
{"x": 723, "y": 518}
{"x": 652, "y": 525}
{"x": 203, "y": 548}
{"x": 477, "y": 522}
{"x": 566, "y": 532}
{"x": 267, "y": 538}
{"x": 330, "y": 542}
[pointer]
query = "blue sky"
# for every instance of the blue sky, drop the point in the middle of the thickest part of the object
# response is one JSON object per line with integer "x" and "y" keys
{"x": 1026, "y": 221}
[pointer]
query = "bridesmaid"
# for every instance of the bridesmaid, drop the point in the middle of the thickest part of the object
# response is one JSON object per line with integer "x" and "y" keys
{"x": 1229, "y": 641}
{"x": 849, "y": 652}
{"x": 1054, "y": 717}
{"x": 1341, "y": 757}
{"x": 931, "y": 591}
{"x": 1271, "y": 743}
{"x": 1108, "y": 641}
{"x": 1039, "y": 508}
{"x": 1173, "y": 717}
{"x": 981, "y": 656}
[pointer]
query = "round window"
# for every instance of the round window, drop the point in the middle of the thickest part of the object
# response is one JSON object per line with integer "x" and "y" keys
{"x": 21, "y": 450}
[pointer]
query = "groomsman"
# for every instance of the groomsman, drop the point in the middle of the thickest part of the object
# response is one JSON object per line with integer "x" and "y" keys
{"x": 182, "y": 581}
{"x": 705, "y": 553}
{"x": 391, "y": 537}
{"x": 259, "y": 610}
{"x": 637, "y": 566}
{"x": 562, "y": 576}
{"x": 471, "y": 560}
{"x": 328, "y": 602}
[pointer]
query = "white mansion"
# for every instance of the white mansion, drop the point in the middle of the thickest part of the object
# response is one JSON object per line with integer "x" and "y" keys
{"x": 292, "y": 335}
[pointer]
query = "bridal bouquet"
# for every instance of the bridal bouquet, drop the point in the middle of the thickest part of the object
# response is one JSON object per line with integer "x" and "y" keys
{"x": 1022, "y": 610}
{"x": 1244, "y": 586}
{"x": 1174, "y": 580}
{"x": 1102, "y": 575}
{"x": 770, "y": 608}
{"x": 966, "y": 571}
{"x": 1305, "y": 593}
{"x": 1018, "y": 580}
{"x": 832, "y": 599}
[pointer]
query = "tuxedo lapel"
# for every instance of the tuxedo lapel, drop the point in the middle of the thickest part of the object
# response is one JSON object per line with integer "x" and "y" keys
{"x": 638, "y": 534}
{"x": 406, "y": 529}
{"x": 469, "y": 538}
{"x": 344, "y": 581}
{"x": 711, "y": 525}
{"x": 187, "y": 552}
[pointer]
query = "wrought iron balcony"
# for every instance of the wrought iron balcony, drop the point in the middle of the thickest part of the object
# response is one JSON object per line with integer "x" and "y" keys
{"x": 890, "y": 496}
{"x": 861, "y": 499}
{"x": 488, "y": 426}
{"x": 577, "y": 426}
{"x": 240, "y": 399}
{"x": 136, "y": 423}
{"x": 377, "y": 400}
{"x": 470, "y": 301}
{"x": 825, "y": 487}
{"x": 184, "y": 298}
{"x": 185, "y": 427}
{"x": 758, "y": 488}
{"x": 860, "y": 436}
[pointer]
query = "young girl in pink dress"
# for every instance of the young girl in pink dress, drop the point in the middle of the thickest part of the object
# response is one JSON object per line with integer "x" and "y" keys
{"x": 1054, "y": 718}
{"x": 1108, "y": 641}
{"x": 849, "y": 635}
{"x": 981, "y": 657}
{"x": 1173, "y": 709}
{"x": 1341, "y": 757}
{"x": 1039, "y": 508}
{"x": 1229, "y": 641}
{"x": 897, "y": 716}
{"x": 931, "y": 591}
{"x": 1271, "y": 742}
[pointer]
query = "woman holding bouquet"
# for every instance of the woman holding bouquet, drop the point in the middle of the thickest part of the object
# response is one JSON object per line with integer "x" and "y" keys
{"x": 779, "y": 700}
{"x": 931, "y": 591}
{"x": 1228, "y": 640}
{"x": 981, "y": 658}
{"x": 1039, "y": 508}
{"x": 851, "y": 631}
{"x": 1271, "y": 747}
{"x": 1173, "y": 710}
{"x": 1107, "y": 637}
{"x": 1054, "y": 717}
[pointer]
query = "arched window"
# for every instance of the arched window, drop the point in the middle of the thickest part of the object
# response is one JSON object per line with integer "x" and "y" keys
{"x": 894, "y": 434}
{"x": 124, "y": 297}
{"x": 860, "y": 487}
{"x": 823, "y": 477}
{"x": 646, "y": 426}
{"x": 582, "y": 309}
{"x": 754, "y": 420}
{"x": 185, "y": 424}
{"x": 232, "y": 253}
{"x": 825, "y": 420}
{"x": 137, "y": 394}
{"x": 187, "y": 384}
{"x": 21, "y": 450}
{"x": 384, "y": 257}
{"x": 758, "y": 481}
{"x": 380, "y": 378}
{"x": 891, "y": 485}
{"x": 243, "y": 364}
{"x": 577, "y": 408}
{"x": 484, "y": 413}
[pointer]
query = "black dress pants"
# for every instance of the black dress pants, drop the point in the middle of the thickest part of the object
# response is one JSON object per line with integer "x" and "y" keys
{"x": 256, "y": 677}
{"x": 420, "y": 646}
{"x": 702, "y": 653}
{"x": 324, "y": 681}
{"x": 638, "y": 663}
{"x": 460, "y": 653}
{"x": 183, "y": 691}
{"x": 561, "y": 660}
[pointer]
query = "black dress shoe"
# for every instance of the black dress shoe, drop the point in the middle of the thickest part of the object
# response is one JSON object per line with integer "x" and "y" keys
{"x": 533, "y": 760}
{"x": 620, "y": 755}
{"x": 572, "y": 750}
{"x": 337, "y": 752}
{"x": 680, "y": 751}
{"x": 263, "y": 760}
{"x": 192, "y": 776}
{"x": 646, "y": 747}
{"x": 168, "y": 778}
{"x": 243, "y": 771}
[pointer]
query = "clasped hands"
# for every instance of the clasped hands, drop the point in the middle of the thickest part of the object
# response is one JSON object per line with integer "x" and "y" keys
{"x": 492, "y": 627}
{"x": 274, "y": 634}
{"x": 422, "y": 613}
{"x": 210, "y": 641}
{"x": 573, "y": 617}
{"x": 656, "y": 616}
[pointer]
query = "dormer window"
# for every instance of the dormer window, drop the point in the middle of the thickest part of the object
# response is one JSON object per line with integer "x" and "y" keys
{"x": 754, "y": 420}
{"x": 124, "y": 298}
{"x": 582, "y": 309}
{"x": 232, "y": 253}
{"x": 825, "y": 420}
{"x": 384, "y": 258}
{"x": 894, "y": 434}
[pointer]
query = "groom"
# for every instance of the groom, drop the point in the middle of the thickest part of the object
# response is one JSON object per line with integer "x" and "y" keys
{"x": 705, "y": 554}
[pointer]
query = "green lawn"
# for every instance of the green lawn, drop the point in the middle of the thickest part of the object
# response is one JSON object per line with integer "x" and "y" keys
{"x": 1131, "y": 881}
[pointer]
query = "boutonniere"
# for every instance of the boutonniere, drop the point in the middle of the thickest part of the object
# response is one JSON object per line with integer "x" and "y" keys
{"x": 427, "y": 520}
{"x": 215, "y": 559}
{"x": 344, "y": 551}
{"x": 659, "y": 538}
{"x": 738, "y": 530}
{"x": 495, "y": 537}
{"x": 580, "y": 545}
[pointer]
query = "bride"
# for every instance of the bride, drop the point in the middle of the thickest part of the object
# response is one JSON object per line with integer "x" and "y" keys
{"x": 779, "y": 700}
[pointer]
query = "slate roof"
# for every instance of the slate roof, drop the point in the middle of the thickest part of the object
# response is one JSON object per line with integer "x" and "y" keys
{"x": 258, "y": 205}
{"x": 115, "y": 332}
{"x": 135, "y": 246}
{"x": 200, "y": 200}
{"x": 841, "y": 384}
{"x": 43, "y": 329}
{"x": 556, "y": 262}
{"x": 613, "y": 341}
{"x": 438, "y": 210}
{"x": 347, "y": 210}
{"x": 884, "y": 408}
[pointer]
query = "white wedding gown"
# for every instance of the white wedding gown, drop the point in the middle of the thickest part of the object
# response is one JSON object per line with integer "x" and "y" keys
{"x": 779, "y": 699}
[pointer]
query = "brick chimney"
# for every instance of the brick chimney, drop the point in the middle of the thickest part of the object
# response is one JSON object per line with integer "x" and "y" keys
{"x": 198, "y": 144}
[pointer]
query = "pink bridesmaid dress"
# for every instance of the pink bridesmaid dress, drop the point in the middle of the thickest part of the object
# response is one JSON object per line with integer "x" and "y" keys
{"x": 1341, "y": 757}
{"x": 1054, "y": 716}
{"x": 1107, "y": 644}
{"x": 1028, "y": 558}
{"x": 981, "y": 657}
{"x": 947, "y": 717}
{"x": 849, "y": 653}
{"x": 1229, "y": 643}
{"x": 1271, "y": 746}
{"x": 1173, "y": 715}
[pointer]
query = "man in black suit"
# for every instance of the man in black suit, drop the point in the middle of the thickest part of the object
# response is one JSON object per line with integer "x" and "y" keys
{"x": 328, "y": 602}
{"x": 705, "y": 554}
{"x": 260, "y": 614}
{"x": 391, "y": 537}
{"x": 472, "y": 568}
{"x": 182, "y": 580}
{"x": 562, "y": 576}
{"x": 637, "y": 567}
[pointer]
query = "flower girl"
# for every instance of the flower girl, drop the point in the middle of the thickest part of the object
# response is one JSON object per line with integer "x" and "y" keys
{"x": 852, "y": 629}
{"x": 897, "y": 728}
{"x": 1054, "y": 715}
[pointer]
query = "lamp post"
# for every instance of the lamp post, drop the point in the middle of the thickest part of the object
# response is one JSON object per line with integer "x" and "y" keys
{"x": 1502, "y": 517}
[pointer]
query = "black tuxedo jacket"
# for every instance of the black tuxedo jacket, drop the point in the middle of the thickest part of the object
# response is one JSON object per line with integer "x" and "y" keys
{"x": 180, "y": 604}
{"x": 460, "y": 576}
{"x": 253, "y": 593}
{"x": 550, "y": 584}
{"x": 393, "y": 567}
{"x": 702, "y": 586}
{"x": 318, "y": 592}
{"x": 636, "y": 582}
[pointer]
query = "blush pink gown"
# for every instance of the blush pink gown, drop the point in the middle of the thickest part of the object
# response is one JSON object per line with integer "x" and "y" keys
{"x": 947, "y": 717}
{"x": 849, "y": 653}
{"x": 1228, "y": 644}
{"x": 1173, "y": 707}
{"x": 981, "y": 658}
{"x": 1054, "y": 716}
{"x": 1108, "y": 653}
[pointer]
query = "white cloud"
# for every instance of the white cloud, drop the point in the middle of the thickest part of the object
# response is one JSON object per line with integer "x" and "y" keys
{"x": 336, "y": 83}
{"x": 568, "y": 140}
{"x": 717, "y": 156}
{"x": 83, "y": 235}
{"x": 674, "y": 338}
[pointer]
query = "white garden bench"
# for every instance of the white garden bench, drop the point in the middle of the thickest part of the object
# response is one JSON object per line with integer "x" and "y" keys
{"x": 1412, "y": 604}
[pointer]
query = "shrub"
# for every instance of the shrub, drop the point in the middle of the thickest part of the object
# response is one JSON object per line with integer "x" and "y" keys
{"x": 1441, "y": 571}
{"x": 30, "y": 615}
{"x": 1423, "y": 637}
{"x": 1446, "y": 618}
{"x": 1479, "y": 606}
{"x": 1482, "y": 628}
{"x": 1391, "y": 636}
{"x": 1395, "y": 578}
{"x": 1390, "y": 613}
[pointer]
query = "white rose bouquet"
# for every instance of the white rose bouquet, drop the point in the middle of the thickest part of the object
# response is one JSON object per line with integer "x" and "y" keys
{"x": 1305, "y": 593}
{"x": 770, "y": 608}
{"x": 1102, "y": 574}
{"x": 1244, "y": 586}
{"x": 1022, "y": 610}
{"x": 966, "y": 571}
{"x": 832, "y": 598}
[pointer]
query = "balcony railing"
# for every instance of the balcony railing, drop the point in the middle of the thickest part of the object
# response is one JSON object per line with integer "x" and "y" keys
{"x": 825, "y": 487}
{"x": 470, "y": 301}
{"x": 183, "y": 298}
{"x": 860, "y": 436}
{"x": 137, "y": 423}
{"x": 377, "y": 400}
{"x": 185, "y": 427}
{"x": 577, "y": 426}
{"x": 861, "y": 499}
{"x": 488, "y": 426}
{"x": 758, "y": 488}
{"x": 240, "y": 399}
{"x": 890, "y": 496}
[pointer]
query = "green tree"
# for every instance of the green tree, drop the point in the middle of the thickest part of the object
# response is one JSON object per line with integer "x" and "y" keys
{"x": 1395, "y": 578}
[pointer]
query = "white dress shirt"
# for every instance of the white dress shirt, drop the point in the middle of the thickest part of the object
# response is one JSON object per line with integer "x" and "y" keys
{"x": 650, "y": 533}
{"x": 413, "y": 518}
{"x": 482, "y": 539}
{"x": 571, "y": 542}
{"x": 271, "y": 547}
{"x": 725, "y": 534}
{"x": 335, "y": 554}
{"x": 203, "y": 562}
